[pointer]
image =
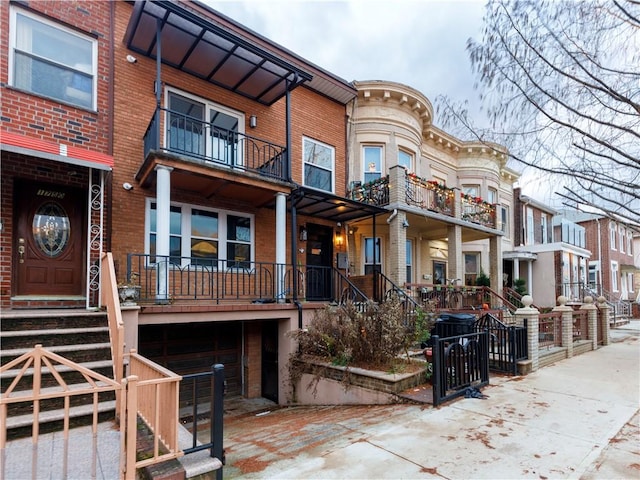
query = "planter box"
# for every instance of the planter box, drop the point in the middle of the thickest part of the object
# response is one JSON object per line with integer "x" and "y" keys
{"x": 341, "y": 386}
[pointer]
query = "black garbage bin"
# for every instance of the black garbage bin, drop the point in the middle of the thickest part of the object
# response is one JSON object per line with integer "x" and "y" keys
{"x": 453, "y": 324}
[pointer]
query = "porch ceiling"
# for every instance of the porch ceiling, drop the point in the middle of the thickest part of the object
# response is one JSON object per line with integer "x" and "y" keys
{"x": 209, "y": 181}
{"x": 434, "y": 228}
{"x": 205, "y": 49}
{"x": 325, "y": 205}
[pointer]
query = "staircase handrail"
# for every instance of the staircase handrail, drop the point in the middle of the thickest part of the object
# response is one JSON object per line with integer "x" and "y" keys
{"x": 387, "y": 285}
{"x": 109, "y": 292}
{"x": 342, "y": 278}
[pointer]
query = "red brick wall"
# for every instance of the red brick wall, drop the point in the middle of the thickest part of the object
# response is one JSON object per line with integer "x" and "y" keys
{"x": 253, "y": 359}
{"x": 38, "y": 117}
{"x": 312, "y": 115}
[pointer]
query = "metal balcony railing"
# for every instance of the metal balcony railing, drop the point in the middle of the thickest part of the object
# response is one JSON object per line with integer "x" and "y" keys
{"x": 372, "y": 193}
{"x": 429, "y": 195}
{"x": 181, "y": 134}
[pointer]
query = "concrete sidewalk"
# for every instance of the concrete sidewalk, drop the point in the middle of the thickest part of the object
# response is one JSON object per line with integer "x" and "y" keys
{"x": 578, "y": 418}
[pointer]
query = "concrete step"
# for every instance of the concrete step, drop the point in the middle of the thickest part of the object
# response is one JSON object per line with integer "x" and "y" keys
{"x": 27, "y": 339}
{"x": 77, "y": 353}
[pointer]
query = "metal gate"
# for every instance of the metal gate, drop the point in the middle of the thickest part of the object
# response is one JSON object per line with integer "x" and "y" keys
{"x": 507, "y": 343}
{"x": 458, "y": 363}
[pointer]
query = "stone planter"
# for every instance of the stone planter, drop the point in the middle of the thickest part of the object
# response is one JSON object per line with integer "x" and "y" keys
{"x": 129, "y": 294}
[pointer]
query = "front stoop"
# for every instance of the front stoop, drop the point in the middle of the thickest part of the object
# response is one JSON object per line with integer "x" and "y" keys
{"x": 169, "y": 470}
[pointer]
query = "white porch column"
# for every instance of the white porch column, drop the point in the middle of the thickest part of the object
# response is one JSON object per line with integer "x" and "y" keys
{"x": 455, "y": 264}
{"x": 281, "y": 244}
{"x": 530, "y": 277}
{"x": 516, "y": 270}
{"x": 163, "y": 230}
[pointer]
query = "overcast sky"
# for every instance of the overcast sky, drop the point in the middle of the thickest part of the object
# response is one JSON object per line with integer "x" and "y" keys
{"x": 420, "y": 43}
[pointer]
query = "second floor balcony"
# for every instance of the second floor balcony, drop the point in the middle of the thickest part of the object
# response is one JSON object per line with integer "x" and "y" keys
{"x": 426, "y": 195}
{"x": 211, "y": 145}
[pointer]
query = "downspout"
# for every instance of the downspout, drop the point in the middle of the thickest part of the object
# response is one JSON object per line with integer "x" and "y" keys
{"x": 599, "y": 258}
{"x": 294, "y": 220}
{"x": 375, "y": 262}
{"x": 158, "y": 81}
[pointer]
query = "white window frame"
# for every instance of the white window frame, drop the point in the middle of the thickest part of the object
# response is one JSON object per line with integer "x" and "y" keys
{"x": 332, "y": 170}
{"x": 492, "y": 195}
{"x": 92, "y": 71}
{"x": 366, "y": 169}
{"x": 410, "y": 168}
{"x": 612, "y": 236}
{"x": 630, "y": 243}
{"x": 544, "y": 225}
{"x": 209, "y": 106}
{"x": 377, "y": 240}
{"x": 409, "y": 253}
{"x": 621, "y": 238}
{"x": 614, "y": 276}
{"x": 473, "y": 190}
{"x": 530, "y": 230}
{"x": 185, "y": 231}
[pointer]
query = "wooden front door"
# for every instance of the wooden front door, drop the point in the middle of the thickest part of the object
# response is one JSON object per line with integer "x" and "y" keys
{"x": 49, "y": 240}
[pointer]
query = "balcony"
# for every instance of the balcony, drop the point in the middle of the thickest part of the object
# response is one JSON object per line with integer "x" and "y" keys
{"x": 205, "y": 144}
{"x": 426, "y": 195}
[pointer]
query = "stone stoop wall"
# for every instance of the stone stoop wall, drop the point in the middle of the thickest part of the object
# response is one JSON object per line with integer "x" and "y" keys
{"x": 363, "y": 387}
{"x": 552, "y": 357}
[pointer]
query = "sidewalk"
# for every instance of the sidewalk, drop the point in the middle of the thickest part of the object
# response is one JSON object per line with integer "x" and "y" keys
{"x": 578, "y": 418}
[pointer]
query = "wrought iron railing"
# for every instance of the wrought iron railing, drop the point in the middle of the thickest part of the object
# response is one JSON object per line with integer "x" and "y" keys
{"x": 507, "y": 343}
{"x": 476, "y": 210}
{"x": 219, "y": 281}
{"x": 429, "y": 195}
{"x": 372, "y": 193}
{"x": 195, "y": 138}
{"x": 549, "y": 330}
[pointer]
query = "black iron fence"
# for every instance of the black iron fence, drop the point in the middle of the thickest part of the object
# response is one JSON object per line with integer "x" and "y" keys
{"x": 458, "y": 363}
{"x": 507, "y": 343}
{"x": 196, "y": 138}
{"x": 202, "y": 406}
{"x": 174, "y": 278}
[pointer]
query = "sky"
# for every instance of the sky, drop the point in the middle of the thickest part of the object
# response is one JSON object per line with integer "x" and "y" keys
{"x": 420, "y": 43}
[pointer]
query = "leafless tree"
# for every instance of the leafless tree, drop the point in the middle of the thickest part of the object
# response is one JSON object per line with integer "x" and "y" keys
{"x": 560, "y": 81}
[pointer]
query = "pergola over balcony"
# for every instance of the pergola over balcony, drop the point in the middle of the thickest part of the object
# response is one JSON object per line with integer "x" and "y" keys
{"x": 190, "y": 42}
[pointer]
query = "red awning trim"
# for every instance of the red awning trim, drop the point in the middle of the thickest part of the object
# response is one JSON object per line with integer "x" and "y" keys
{"x": 17, "y": 143}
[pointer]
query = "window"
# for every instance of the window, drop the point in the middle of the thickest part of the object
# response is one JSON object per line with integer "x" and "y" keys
{"x": 52, "y": 61}
{"x": 492, "y": 196}
{"x": 530, "y": 227}
{"x": 544, "y": 227}
{"x": 406, "y": 160}
{"x": 614, "y": 276}
{"x": 204, "y": 129}
{"x": 319, "y": 162}
{"x": 372, "y": 260}
{"x": 471, "y": 190}
{"x": 205, "y": 237}
{"x": 612, "y": 236}
{"x": 629, "y": 243}
{"x": 471, "y": 268}
{"x": 622, "y": 238}
{"x": 504, "y": 220}
{"x": 372, "y": 163}
{"x": 409, "y": 255}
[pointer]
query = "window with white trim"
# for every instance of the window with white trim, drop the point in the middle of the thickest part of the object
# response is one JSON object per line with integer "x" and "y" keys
{"x": 544, "y": 228}
{"x": 409, "y": 258}
{"x": 492, "y": 195}
{"x": 203, "y": 236}
{"x": 630, "y": 243}
{"x": 372, "y": 158}
{"x": 622, "y": 238}
{"x": 198, "y": 127}
{"x": 319, "y": 165}
{"x": 612, "y": 236}
{"x": 51, "y": 60}
{"x": 471, "y": 268}
{"x": 406, "y": 160}
{"x": 471, "y": 190}
{"x": 614, "y": 276}
{"x": 531, "y": 239}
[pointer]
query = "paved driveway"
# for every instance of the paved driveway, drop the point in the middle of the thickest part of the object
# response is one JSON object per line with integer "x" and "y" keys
{"x": 578, "y": 418}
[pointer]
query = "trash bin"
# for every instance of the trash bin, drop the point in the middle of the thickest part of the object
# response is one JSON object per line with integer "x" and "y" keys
{"x": 453, "y": 324}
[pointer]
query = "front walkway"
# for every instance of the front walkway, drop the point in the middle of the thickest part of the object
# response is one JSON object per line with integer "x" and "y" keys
{"x": 578, "y": 418}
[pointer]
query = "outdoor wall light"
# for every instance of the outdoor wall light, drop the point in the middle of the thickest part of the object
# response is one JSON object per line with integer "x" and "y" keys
{"x": 127, "y": 186}
{"x": 131, "y": 59}
{"x": 339, "y": 240}
{"x": 253, "y": 121}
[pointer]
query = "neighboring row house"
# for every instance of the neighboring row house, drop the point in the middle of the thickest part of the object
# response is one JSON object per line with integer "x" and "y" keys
{"x": 550, "y": 253}
{"x": 239, "y": 187}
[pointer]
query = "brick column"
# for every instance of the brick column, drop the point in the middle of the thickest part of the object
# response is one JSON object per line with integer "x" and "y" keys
{"x": 567, "y": 324}
{"x": 397, "y": 251}
{"x": 397, "y": 185}
{"x": 592, "y": 321}
{"x": 252, "y": 360}
{"x": 531, "y": 315}
{"x": 604, "y": 311}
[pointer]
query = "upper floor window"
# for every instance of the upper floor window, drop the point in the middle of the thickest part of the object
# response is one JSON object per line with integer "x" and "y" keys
{"x": 471, "y": 190}
{"x": 406, "y": 160}
{"x": 544, "y": 228}
{"x": 530, "y": 227}
{"x": 629, "y": 243}
{"x": 372, "y": 156}
{"x": 504, "y": 220}
{"x": 204, "y": 129}
{"x": 612, "y": 236}
{"x": 51, "y": 60}
{"x": 622, "y": 238}
{"x": 492, "y": 196}
{"x": 319, "y": 164}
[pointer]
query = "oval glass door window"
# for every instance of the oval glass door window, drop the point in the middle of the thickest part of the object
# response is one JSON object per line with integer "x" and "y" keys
{"x": 51, "y": 229}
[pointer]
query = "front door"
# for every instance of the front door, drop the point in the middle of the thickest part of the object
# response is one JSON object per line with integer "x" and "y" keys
{"x": 319, "y": 256}
{"x": 49, "y": 240}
